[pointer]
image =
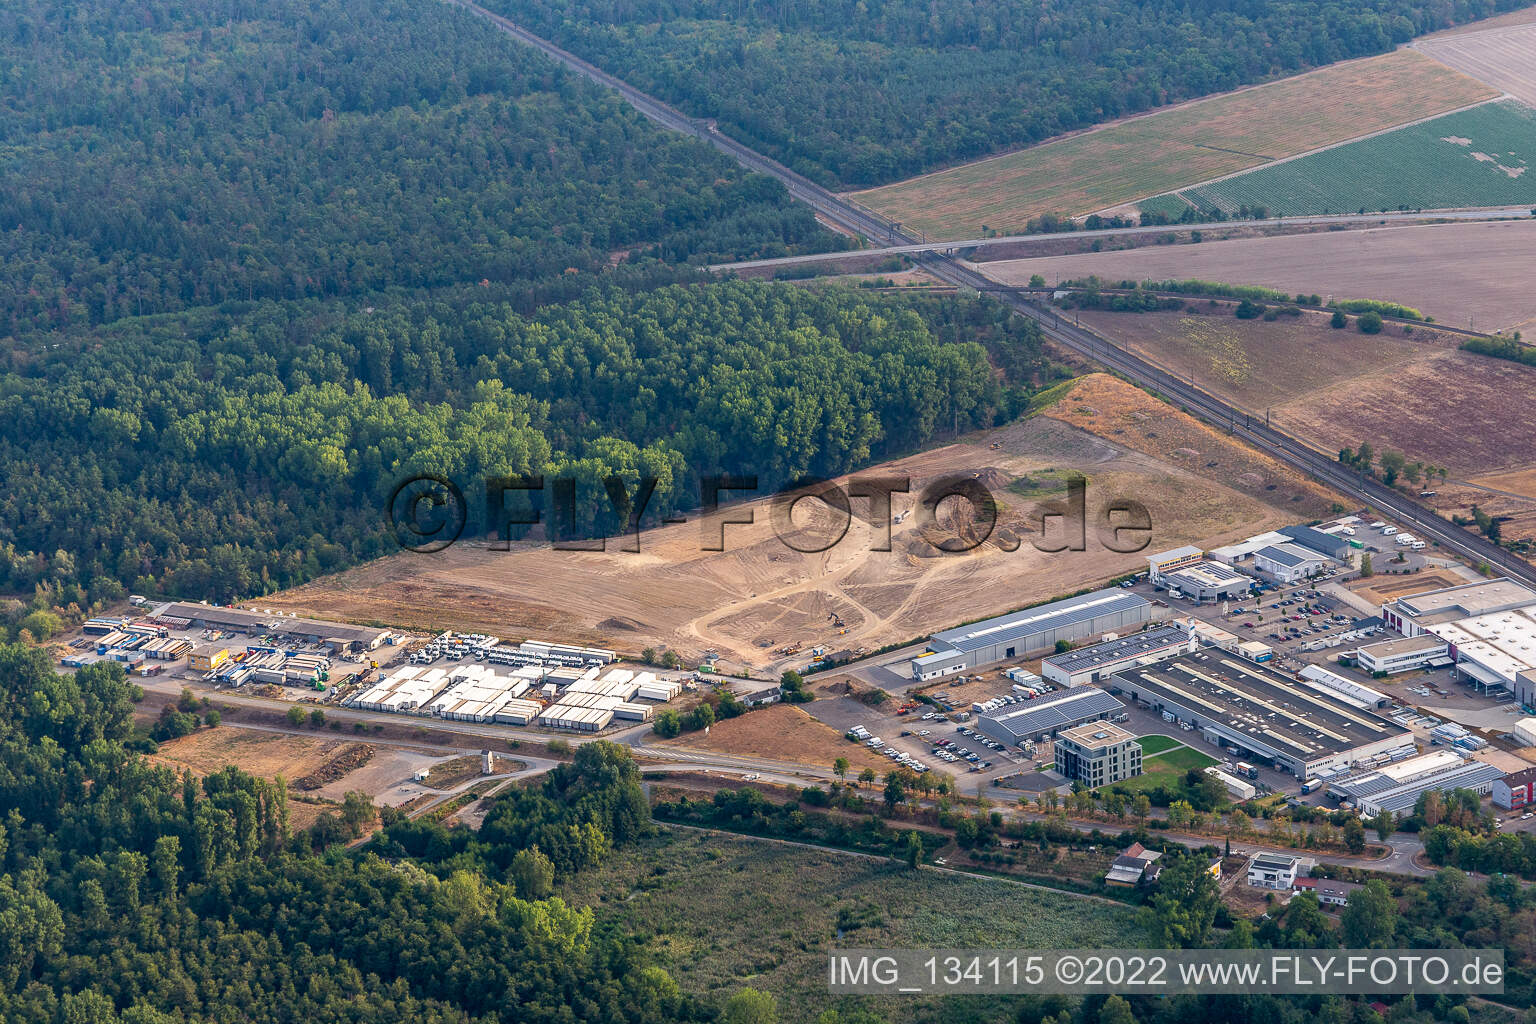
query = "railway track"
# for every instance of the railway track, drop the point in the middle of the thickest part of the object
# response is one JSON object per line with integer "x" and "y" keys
{"x": 851, "y": 216}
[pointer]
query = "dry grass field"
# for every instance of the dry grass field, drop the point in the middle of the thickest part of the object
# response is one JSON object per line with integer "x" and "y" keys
{"x": 266, "y": 755}
{"x": 1179, "y": 146}
{"x": 783, "y": 732}
{"x": 1258, "y": 364}
{"x": 1498, "y": 56}
{"x": 1457, "y": 273}
{"x": 759, "y": 594}
{"x": 1472, "y": 414}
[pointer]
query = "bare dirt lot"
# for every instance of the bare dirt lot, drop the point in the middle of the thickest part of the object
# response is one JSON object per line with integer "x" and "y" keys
{"x": 1461, "y": 274}
{"x": 1381, "y": 589}
{"x": 1498, "y": 56}
{"x": 759, "y": 594}
{"x": 782, "y": 732}
{"x": 1178, "y": 146}
{"x": 266, "y": 755}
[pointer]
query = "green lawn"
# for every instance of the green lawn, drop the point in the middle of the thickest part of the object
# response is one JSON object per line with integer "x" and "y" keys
{"x": 1166, "y": 769}
{"x": 1157, "y": 743}
{"x": 719, "y": 912}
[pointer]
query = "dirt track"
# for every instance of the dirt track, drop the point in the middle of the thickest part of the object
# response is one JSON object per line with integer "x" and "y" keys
{"x": 759, "y": 595}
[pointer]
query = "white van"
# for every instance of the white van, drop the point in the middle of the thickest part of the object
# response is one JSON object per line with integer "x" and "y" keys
{"x": 1418, "y": 544}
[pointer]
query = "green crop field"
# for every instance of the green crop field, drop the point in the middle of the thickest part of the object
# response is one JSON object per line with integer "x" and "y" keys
{"x": 1477, "y": 157}
{"x": 720, "y": 912}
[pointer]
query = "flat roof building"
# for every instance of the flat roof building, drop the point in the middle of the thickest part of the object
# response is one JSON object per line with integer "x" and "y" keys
{"x": 1033, "y": 629}
{"x": 1045, "y": 716}
{"x": 1271, "y": 717}
{"x": 1403, "y": 655}
{"x": 1097, "y": 754}
{"x": 1208, "y": 581}
{"x": 339, "y": 634}
{"x": 1164, "y": 562}
{"x": 1411, "y": 615}
{"x": 1494, "y": 650}
{"x": 1100, "y": 661}
{"x": 1397, "y": 787}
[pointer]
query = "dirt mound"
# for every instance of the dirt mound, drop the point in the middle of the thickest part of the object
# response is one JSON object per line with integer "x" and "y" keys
{"x": 350, "y": 759}
{"x": 620, "y": 622}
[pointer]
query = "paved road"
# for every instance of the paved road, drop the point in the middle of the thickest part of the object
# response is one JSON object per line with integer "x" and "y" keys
{"x": 1361, "y": 221}
{"x": 1095, "y": 347}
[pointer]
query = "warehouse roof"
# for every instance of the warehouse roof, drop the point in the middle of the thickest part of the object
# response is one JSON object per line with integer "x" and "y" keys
{"x": 1482, "y": 597}
{"x": 1040, "y": 619}
{"x": 1290, "y": 555}
{"x": 1206, "y": 574}
{"x": 1070, "y": 707}
{"x": 1250, "y": 699}
{"x": 1504, "y": 642}
{"x": 1317, "y": 540}
{"x": 1397, "y": 787}
{"x": 1158, "y": 638}
{"x": 245, "y": 621}
{"x": 1403, "y": 645}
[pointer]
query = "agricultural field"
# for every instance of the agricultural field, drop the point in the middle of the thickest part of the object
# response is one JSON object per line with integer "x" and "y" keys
{"x": 1110, "y": 166}
{"x": 1490, "y": 284}
{"x": 1477, "y": 157}
{"x": 682, "y": 893}
{"x": 1499, "y": 56}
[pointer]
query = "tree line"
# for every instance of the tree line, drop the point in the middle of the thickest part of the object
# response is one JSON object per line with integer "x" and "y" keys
{"x": 863, "y": 92}
{"x": 225, "y": 452}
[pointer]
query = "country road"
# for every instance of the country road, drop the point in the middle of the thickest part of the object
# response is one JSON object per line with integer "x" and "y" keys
{"x": 1095, "y": 347}
{"x": 1363, "y": 221}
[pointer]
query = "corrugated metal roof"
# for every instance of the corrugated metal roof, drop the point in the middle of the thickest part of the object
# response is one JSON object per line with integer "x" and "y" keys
{"x": 1040, "y": 619}
{"x": 1076, "y": 705}
{"x": 1159, "y": 638}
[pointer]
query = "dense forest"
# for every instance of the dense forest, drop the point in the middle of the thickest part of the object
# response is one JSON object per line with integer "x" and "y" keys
{"x": 129, "y": 894}
{"x": 863, "y": 92}
{"x": 163, "y": 156}
{"x": 224, "y": 452}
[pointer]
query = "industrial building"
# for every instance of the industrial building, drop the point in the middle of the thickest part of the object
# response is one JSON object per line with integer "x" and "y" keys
{"x": 405, "y": 689}
{"x": 1410, "y": 616}
{"x": 1346, "y": 690}
{"x": 1165, "y": 562}
{"x": 1244, "y": 550}
{"x": 1102, "y": 660}
{"x": 1326, "y": 544}
{"x": 1494, "y": 650}
{"x": 1396, "y": 787}
{"x": 1238, "y": 789}
{"x": 338, "y": 636}
{"x": 1043, "y": 717}
{"x": 1097, "y": 754}
{"x": 1033, "y": 629}
{"x": 1289, "y": 562}
{"x": 1390, "y": 657}
{"x": 1214, "y": 636}
{"x": 1208, "y": 581}
{"x": 1238, "y": 704}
